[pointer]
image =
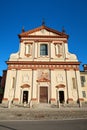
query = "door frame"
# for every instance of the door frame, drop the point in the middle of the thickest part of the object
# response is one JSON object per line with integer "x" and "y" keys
{"x": 23, "y": 96}
{"x": 47, "y": 93}
{"x": 60, "y": 92}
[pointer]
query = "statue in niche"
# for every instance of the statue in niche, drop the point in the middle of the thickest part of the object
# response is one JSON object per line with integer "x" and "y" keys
{"x": 25, "y": 78}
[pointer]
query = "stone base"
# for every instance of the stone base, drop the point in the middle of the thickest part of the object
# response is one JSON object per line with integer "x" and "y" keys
{"x": 70, "y": 101}
{"x": 33, "y": 102}
{"x": 53, "y": 101}
{"x": 80, "y": 101}
{"x": 5, "y": 101}
{"x": 16, "y": 101}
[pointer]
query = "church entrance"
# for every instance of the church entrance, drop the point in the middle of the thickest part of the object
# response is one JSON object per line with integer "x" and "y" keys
{"x": 61, "y": 96}
{"x": 25, "y": 96}
{"x": 43, "y": 94}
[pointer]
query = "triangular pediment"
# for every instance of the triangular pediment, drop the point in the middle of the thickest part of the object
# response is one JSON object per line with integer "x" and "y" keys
{"x": 42, "y": 31}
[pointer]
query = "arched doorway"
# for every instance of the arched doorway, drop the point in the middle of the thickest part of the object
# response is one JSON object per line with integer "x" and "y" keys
{"x": 61, "y": 96}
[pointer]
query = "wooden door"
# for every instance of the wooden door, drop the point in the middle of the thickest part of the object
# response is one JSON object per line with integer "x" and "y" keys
{"x": 43, "y": 94}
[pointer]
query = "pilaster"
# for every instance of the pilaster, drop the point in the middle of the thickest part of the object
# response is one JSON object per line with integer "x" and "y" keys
{"x": 36, "y": 50}
{"x": 69, "y": 84}
{"x": 79, "y": 91}
{"x": 53, "y": 90}
{"x": 17, "y": 87}
{"x": 8, "y": 86}
{"x": 34, "y": 87}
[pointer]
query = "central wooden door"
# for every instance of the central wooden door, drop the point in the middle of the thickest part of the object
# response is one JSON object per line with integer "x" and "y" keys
{"x": 43, "y": 94}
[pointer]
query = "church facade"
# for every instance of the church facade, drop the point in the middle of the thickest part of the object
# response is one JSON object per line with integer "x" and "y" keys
{"x": 43, "y": 70}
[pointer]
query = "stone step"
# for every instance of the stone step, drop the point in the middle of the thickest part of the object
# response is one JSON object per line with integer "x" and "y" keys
{"x": 42, "y": 105}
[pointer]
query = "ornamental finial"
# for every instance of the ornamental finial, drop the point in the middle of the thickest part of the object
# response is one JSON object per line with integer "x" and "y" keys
{"x": 63, "y": 30}
{"x": 43, "y": 22}
{"x": 23, "y": 29}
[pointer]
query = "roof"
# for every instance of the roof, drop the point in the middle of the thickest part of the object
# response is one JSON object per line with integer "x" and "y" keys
{"x": 25, "y": 34}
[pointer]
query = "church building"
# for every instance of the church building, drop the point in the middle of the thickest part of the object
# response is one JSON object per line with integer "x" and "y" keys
{"x": 43, "y": 70}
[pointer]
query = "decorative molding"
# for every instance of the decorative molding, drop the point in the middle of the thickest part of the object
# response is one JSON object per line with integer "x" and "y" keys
{"x": 15, "y": 99}
{"x": 69, "y": 99}
{"x": 43, "y": 80}
{"x": 52, "y": 99}
{"x": 27, "y": 55}
{"x": 26, "y": 34}
{"x": 81, "y": 99}
{"x": 34, "y": 99}
{"x": 28, "y": 42}
{"x": 41, "y": 65}
{"x": 5, "y": 99}
{"x": 50, "y": 40}
{"x": 25, "y": 86}
{"x": 60, "y": 86}
{"x": 58, "y": 55}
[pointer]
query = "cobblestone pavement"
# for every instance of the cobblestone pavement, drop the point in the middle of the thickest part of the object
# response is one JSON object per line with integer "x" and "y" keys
{"x": 23, "y": 113}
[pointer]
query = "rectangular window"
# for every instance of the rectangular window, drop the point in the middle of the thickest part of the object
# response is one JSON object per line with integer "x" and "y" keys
{"x": 82, "y": 81}
{"x": 43, "y": 49}
{"x": 84, "y": 94}
{"x": 74, "y": 83}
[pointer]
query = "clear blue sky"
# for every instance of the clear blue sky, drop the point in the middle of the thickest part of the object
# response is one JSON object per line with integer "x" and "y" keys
{"x": 14, "y": 14}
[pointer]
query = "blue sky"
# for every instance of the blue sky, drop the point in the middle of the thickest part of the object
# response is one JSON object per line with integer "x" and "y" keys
{"x": 14, "y": 14}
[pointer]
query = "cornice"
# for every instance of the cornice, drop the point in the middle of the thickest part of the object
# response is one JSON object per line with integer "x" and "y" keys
{"x": 18, "y": 65}
{"x": 42, "y": 63}
{"x": 43, "y": 36}
{"x": 50, "y": 40}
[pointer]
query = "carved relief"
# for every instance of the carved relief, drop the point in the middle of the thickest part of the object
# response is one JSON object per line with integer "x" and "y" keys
{"x": 59, "y": 78}
{"x": 25, "y": 78}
